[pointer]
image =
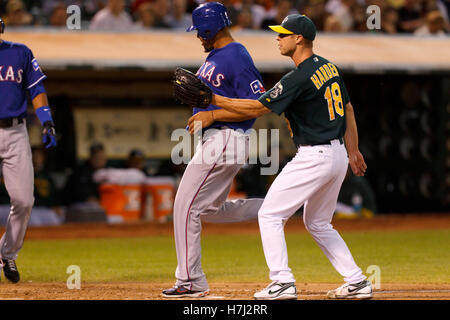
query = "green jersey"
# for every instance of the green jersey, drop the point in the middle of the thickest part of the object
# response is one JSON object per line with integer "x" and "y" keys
{"x": 313, "y": 98}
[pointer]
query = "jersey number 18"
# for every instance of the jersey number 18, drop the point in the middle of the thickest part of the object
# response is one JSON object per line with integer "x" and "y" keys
{"x": 334, "y": 98}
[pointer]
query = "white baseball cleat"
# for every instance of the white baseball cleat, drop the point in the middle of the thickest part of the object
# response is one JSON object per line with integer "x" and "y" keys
{"x": 360, "y": 290}
{"x": 277, "y": 291}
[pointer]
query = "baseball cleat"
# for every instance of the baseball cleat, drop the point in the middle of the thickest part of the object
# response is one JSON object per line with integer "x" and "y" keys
{"x": 10, "y": 270}
{"x": 181, "y": 292}
{"x": 360, "y": 290}
{"x": 277, "y": 291}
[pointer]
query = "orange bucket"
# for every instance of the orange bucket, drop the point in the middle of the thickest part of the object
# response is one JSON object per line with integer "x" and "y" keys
{"x": 159, "y": 195}
{"x": 122, "y": 200}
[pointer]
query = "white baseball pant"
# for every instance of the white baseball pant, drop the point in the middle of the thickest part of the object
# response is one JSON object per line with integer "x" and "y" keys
{"x": 312, "y": 178}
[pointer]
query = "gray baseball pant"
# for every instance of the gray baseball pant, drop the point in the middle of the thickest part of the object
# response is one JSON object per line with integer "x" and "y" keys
{"x": 202, "y": 195}
{"x": 17, "y": 171}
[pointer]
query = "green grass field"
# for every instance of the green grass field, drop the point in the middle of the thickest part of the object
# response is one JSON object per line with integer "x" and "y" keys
{"x": 403, "y": 257}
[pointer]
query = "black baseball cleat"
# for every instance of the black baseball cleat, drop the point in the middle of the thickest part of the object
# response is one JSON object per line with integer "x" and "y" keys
{"x": 10, "y": 270}
{"x": 181, "y": 292}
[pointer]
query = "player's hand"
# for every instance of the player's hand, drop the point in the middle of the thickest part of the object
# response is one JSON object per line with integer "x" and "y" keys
{"x": 49, "y": 135}
{"x": 205, "y": 117}
{"x": 357, "y": 163}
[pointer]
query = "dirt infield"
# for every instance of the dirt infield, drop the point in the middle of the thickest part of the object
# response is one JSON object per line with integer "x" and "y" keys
{"x": 142, "y": 229}
{"x": 228, "y": 291}
{"x": 219, "y": 291}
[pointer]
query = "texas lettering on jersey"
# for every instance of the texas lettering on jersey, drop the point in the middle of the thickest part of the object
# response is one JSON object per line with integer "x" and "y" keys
{"x": 7, "y": 73}
{"x": 206, "y": 71}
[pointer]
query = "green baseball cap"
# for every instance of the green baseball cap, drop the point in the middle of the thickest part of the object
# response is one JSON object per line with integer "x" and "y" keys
{"x": 297, "y": 24}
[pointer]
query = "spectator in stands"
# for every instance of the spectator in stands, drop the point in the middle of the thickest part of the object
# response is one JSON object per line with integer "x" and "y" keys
{"x": 257, "y": 10}
{"x": 359, "y": 18}
{"x": 112, "y": 18}
{"x": 244, "y": 20}
{"x": 344, "y": 11}
{"x": 434, "y": 25}
{"x": 333, "y": 24}
{"x": 440, "y": 5}
{"x": 16, "y": 14}
{"x": 389, "y": 20}
{"x": 276, "y": 16}
{"x": 144, "y": 16}
{"x": 136, "y": 160}
{"x": 179, "y": 18}
{"x": 160, "y": 9}
{"x": 315, "y": 10}
{"x": 80, "y": 185}
{"x": 409, "y": 16}
{"x": 58, "y": 17}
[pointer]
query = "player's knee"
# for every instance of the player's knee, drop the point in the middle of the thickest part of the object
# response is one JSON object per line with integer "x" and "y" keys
{"x": 317, "y": 227}
{"x": 267, "y": 216}
{"x": 23, "y": 202}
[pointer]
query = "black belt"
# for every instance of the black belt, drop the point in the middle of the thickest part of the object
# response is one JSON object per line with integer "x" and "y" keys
{"x": 341, "y": 141}
{"x": 9, "y": 122}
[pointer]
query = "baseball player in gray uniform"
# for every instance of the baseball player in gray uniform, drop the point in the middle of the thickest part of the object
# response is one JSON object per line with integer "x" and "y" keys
{"x": 203, "y": 190}
{"x": 20, "y": 74}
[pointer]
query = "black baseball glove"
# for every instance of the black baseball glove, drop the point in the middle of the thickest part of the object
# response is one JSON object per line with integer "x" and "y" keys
{"x": 190, "y": 90}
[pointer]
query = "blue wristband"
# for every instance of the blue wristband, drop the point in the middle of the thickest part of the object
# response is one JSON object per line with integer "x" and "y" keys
{"x": 44, "y": 114}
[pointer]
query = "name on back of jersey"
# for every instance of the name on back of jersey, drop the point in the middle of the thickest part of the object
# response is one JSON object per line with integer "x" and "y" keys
{"x": 8, "y": 74}
{"x": 323, "y": 74}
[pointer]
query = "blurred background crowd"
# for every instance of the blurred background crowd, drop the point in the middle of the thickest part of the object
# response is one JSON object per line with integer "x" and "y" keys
{"x": 420, "y": 17}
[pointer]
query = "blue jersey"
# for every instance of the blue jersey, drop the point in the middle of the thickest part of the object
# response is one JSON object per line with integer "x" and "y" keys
{"x": 230, "y": 72}
{"x": 19, "y": 72}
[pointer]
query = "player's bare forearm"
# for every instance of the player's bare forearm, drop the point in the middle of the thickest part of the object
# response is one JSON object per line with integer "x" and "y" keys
{"x": 246, "y": 107}
{"x": 207, "y": 118}
{"x": 355, "y": 158}
{"x": 40, "y": 101}
{"x": 351, "y": 132}
{"x": 228, "y": 116}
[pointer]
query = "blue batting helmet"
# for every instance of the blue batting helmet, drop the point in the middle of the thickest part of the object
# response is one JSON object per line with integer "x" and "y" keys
{"x": 2, "y": 25}
{"x": 208, "y": 19}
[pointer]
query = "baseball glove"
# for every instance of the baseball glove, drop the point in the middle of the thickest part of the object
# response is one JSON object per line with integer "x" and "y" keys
{"x": 190, "y": 90}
